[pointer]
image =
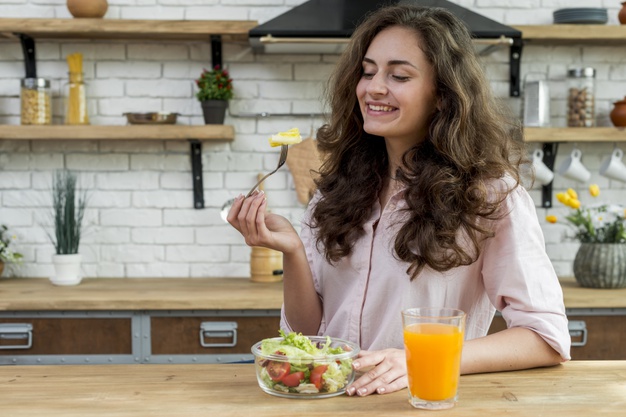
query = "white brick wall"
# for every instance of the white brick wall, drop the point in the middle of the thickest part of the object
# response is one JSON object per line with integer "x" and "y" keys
{"x": 141, "y": 221}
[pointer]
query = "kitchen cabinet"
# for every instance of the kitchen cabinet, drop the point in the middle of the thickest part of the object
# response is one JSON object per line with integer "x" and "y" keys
{"x": 135, "y": 320}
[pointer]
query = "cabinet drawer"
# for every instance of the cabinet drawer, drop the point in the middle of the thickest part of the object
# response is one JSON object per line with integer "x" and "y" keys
{"x": 603, "y": 337}
{"x": 186, "y": 335}
{"x": 66, "y": 336}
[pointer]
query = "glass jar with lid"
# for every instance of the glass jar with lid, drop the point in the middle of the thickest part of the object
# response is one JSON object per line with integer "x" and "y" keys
{"x": 36, "y": 101}
{"x": 581, "y": 100}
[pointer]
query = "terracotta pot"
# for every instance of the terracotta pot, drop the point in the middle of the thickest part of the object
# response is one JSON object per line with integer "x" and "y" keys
{"x": 87, "y": 8}
{"x": 618, "y": 114}
{"x": 622, "y": 14}
{"x": 601, "y": 265}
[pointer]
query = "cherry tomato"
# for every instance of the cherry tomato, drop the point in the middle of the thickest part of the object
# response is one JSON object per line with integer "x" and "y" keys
{"x": 316, "y": 375}
{"x": 277, "y": 370}
{"x": 293, "y": 380}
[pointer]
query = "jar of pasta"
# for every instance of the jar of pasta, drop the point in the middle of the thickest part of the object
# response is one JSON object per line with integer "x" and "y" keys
{"x": 36, "y": 101}
{"x": 581, "y": 101}
{"x": 76, "y": 100}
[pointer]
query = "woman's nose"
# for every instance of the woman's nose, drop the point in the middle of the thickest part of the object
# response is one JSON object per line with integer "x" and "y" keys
{"x": 377, "y": 85}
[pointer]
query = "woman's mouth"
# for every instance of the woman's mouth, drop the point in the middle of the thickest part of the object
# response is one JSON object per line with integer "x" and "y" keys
{"x": 380, "y": 108}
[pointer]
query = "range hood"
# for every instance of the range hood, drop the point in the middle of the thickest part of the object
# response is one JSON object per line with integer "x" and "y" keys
{"x": 325, "y": 26}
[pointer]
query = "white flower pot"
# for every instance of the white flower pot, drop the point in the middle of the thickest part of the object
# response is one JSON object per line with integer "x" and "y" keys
{"x": 67, "y": 269}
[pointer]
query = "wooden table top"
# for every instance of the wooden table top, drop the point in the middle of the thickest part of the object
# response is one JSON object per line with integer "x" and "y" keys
{"x": 574, "y": 389}
{"x": 21, "y": 294}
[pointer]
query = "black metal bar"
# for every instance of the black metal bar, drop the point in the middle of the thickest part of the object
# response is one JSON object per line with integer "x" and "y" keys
{"x": 196, "y": 173}
{"x": 515, "y": 58}
{"x": 28, "y": 48}
{"x": 549, "y": 155}
{"x": 216, "y": 50}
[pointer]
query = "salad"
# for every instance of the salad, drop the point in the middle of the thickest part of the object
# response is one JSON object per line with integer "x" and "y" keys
{"x": 297, "y": 364}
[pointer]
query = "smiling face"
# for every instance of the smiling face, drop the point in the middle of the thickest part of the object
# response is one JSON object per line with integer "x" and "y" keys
{"x": 396, "y": 92}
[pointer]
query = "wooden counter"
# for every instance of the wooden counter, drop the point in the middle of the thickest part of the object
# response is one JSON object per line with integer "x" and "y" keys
{"x": 19, "y": 294}
{"x": 574, "y": 389}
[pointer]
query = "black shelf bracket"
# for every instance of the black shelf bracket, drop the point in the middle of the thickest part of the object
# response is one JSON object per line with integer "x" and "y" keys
{"x": 196, "y": 145}
{"x": 515, "y": 58}
{"x": 216, "y": 50}
{"x": 196, "y": 174}
{"x": 549, "y": 155}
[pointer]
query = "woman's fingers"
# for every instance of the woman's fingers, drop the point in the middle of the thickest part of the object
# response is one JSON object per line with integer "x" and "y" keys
{"x": 385, "y": 372}
{"x": 248, "y": 223}
{"x": 234, "y": 211}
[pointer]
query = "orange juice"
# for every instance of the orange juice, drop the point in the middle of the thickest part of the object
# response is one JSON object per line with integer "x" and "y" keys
{"x": 433, "y": 354}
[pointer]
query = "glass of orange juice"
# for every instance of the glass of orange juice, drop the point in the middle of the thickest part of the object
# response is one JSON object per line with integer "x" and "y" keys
{"x": 433, "y": 340}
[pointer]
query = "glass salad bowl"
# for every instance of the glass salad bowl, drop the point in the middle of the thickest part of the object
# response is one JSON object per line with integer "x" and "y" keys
{"x": 297, "y": 366}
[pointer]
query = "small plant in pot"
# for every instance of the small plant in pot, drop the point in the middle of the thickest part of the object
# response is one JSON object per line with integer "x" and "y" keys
{"x": 215, "y": 88}
{"x": 7, "y": 254}
{"x": 68, "y": 209}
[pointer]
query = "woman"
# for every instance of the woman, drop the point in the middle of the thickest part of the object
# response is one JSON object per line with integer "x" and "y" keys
{"x": 419, "y": 204}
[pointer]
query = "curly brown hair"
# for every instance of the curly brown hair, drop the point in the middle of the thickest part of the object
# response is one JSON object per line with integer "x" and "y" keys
{"x": 470, "y": 143}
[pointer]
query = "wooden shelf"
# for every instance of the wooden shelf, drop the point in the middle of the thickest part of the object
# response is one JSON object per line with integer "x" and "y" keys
{"x": 127, "y": 29}
{"x": 573, "y": 34}
{"x": 132, "y": 132}
{"x": 575, "y": 134}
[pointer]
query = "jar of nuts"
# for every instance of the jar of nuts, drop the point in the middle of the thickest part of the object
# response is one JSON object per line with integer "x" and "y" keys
{"x": 581, "y": 102}
{"x": 36, "y": 101}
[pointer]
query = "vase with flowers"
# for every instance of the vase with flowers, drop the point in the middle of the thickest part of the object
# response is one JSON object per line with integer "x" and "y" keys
{"x": 7, "y": 254}
{"x": 215, "y": 88}
{"x": 600, "y": 261}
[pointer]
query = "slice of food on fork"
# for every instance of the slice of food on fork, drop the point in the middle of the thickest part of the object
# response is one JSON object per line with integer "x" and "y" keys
{"x": 290, "y": 137}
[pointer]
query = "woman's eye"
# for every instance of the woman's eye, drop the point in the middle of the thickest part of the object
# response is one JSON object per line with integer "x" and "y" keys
{"x": 400, "y": 78}
{"x": 368, "y": 75}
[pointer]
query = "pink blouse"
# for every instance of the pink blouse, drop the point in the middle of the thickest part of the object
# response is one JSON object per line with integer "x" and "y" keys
{"x": 364, "y": 293}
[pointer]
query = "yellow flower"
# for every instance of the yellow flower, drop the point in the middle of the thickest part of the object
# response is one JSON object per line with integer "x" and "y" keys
{"x": 551, "y": 218}
{"x": 594, "y": 190}
{"x": 573, "y": 203}
{"x": 563, "y": 197}
{"x": 572, "y": 193}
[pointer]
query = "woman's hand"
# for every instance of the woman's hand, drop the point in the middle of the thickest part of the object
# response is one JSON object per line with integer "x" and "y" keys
{"x": 386, "y": 372}
{"x": 259, "y": 228}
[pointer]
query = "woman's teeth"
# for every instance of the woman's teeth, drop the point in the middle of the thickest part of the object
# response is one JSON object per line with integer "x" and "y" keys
{"x": 380, "y": 108}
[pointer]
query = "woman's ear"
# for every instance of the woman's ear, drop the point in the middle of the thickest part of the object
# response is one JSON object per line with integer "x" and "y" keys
{"x": 438, "y": 104}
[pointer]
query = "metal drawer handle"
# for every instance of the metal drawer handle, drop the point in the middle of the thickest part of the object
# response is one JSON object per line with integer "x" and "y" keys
{"x": 578, "y": 329}
{"x": 218, "y": 329}
{"x": 16, "y": 331}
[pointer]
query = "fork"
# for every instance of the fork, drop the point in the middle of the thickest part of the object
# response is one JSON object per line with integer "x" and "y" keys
{"x": 281, "y": 162}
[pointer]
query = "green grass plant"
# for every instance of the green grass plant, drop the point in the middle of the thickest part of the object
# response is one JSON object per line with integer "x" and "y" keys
{"x": 68, "y": 205}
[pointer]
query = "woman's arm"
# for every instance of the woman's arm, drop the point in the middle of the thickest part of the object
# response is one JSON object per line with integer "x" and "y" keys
{"x": 507, "y": 350}
{"x": 303, "y": 307}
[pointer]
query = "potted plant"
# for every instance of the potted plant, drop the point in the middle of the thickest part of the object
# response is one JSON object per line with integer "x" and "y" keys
{"x": 214, "y": 90}
{"x": 600, "y": 261}
{"x": 7, "y": 255}
{"x": 68, "y": 209}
